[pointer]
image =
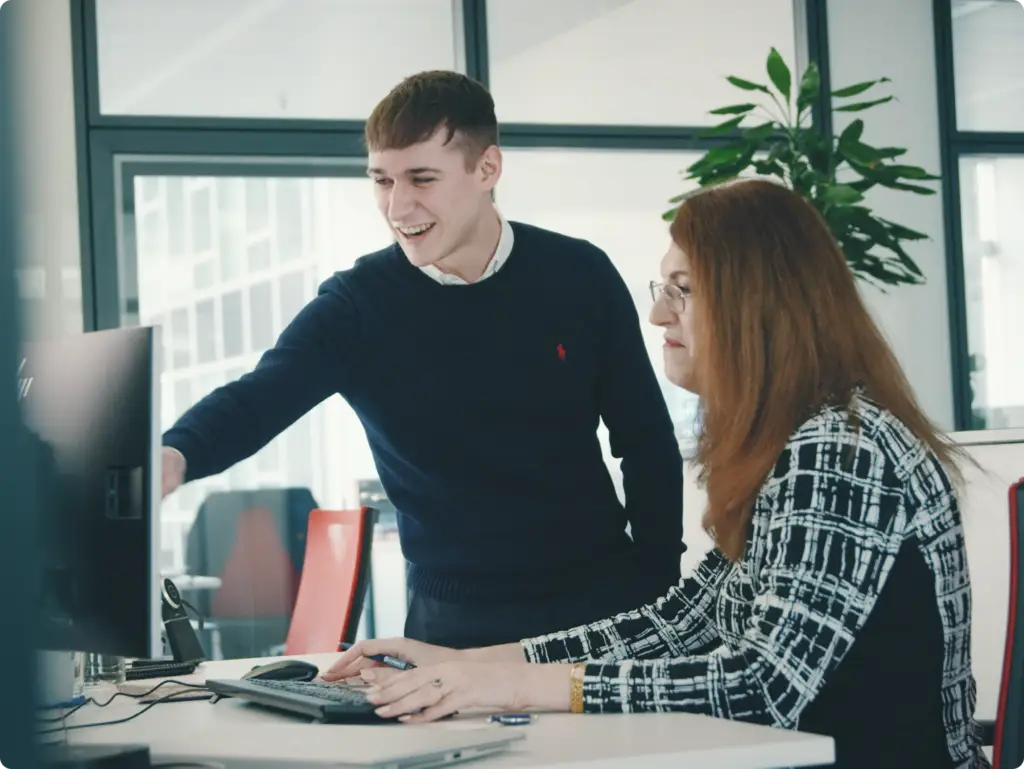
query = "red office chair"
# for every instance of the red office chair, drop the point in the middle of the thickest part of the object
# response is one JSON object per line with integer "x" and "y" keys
{"x": 1008, "y": 740}
{"x": 335, "y": 575}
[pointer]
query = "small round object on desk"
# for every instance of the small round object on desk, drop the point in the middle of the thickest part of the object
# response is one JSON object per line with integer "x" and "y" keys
{"x": 512, "y": 719}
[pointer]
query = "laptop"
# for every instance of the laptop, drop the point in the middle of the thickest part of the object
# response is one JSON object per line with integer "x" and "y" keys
{"x": 304, "y": 746}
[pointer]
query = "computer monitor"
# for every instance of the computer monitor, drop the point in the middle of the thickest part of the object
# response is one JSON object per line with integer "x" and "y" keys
{"x": 91, "y": 402}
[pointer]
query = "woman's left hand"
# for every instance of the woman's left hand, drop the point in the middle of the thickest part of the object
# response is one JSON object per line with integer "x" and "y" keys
{"x": 432, "y": 692}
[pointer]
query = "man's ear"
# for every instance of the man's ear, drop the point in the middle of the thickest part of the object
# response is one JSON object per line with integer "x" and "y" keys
{"x": 489, "y": 167}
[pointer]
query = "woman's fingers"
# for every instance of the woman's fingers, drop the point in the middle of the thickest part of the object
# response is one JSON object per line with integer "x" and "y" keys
{"x": 447, "y": 706}
{"x": 358, "y": 657}
{"x": 424, "y": 696}
{"x": 399, "y": 685}
{"x": 380, "y": 676}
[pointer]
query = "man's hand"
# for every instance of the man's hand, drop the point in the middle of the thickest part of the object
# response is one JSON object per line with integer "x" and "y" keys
{"x": 172, "y": 469}
{"x": 357, "y": 659}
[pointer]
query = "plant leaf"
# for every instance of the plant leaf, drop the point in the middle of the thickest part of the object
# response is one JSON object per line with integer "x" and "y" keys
{"x": 911, "y": 188}
{"x": 853, "y": 90}
{"x": 861, "y": 157}
{"x": 890, "y": 152}
{"x": 912, "y": 172}
{"x": 728, "y": 170}
{"x": 863, "y": 185}
{"x": 840, "y": 194}
{"x": 759, "y": 133}
{"x": 746, "y": 85}
{"x": 903, "y": 233}
{"x": 724, "y": 128}
{"x": 852, "y": 132}
{"x": 810, "y": 85}
{"x": 735, "y": 109}
{"x": 769, "y": 168}
{"x": 716, "y": 156}
{"x": 862, "y": 105}
{"x": 779, "y": 73}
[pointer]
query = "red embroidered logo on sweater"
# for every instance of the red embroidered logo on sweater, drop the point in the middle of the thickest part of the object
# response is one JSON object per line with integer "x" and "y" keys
{"x": 561, "y": 352}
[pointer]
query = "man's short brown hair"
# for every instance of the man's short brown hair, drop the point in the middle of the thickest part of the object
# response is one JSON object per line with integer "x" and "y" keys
{"x": 421, "y": 104}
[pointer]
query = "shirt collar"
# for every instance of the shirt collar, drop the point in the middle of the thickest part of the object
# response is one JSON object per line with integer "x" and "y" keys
{"x": 501, "y": 254}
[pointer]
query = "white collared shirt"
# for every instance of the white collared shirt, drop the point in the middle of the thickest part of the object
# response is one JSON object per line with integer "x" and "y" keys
{"x": 497, "y": 261}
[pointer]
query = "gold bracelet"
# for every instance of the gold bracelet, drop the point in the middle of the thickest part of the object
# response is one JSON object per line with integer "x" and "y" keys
{"x": 576, "y": 678}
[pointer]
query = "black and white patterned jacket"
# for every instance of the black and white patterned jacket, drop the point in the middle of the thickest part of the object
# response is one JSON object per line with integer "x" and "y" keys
{"x": 757, "y": 639}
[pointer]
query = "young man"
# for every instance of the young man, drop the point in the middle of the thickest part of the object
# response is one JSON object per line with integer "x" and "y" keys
{"x": 479, "y": 355}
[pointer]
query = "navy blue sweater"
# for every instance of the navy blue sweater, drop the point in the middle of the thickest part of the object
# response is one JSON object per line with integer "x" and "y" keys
{"x": 481, "y": 404}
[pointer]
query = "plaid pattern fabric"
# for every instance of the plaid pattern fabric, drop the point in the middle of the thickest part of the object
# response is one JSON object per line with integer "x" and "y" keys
{"x": 755, "y": 640}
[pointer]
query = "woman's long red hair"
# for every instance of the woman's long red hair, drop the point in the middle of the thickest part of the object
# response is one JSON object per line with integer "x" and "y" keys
{"x": 781, "y": 330}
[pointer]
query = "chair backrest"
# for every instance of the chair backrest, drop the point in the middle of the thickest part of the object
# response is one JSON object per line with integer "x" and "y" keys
{"x": 272, "y": 522}
{"x": 335, "y": 576}
{"x": 1008, "y": 750}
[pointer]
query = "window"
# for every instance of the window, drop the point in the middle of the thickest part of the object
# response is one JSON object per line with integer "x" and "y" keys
{"x": 987, "y": 39}
{"x": 181, "y": 339}
{"x": 200, "y": 215}
{"x": 288, "y": 220}
{"x": 231, "y": 227}
{"x": 584, "y": 61}
{"x": 257, "y": 206}
{"x": 260, "y": 257}
{"x": 183, "y": 399}
{"x": 231, "y": 309}
{"x": 237, "y": 317}
{"x": 150, "y": 236}
{"x": 175, "y": 216}
{"x": 992, "y": 196}
{"x": 270, "y": 59}
{"x": 261, "y": 317}
{"x": 206, "y": 332}
{"x": 294, "y": 296}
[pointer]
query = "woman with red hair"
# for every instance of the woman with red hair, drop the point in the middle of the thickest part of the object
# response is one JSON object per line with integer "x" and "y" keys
{"x": 837, "y": 598}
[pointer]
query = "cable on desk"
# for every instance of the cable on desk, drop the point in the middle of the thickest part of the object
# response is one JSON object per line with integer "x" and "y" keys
{"x": 166, "y": 698}
{"x": 92, "y": 701}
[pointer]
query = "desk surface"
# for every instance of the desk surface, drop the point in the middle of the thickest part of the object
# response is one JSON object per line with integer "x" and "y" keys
{"x": 554, "y": 741}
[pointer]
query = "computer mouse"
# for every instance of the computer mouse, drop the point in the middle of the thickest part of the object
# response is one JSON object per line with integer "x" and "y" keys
{"x": 283, "y": 670}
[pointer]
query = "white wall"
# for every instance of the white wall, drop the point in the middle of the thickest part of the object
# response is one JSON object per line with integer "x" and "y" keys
{"x": 985, "y": 508}
{"x": 50, "y": 277}
{"x": 902, "y": 48}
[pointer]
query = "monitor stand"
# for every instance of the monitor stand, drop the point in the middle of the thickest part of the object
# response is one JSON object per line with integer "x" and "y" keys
{"x": 86, "y": 756}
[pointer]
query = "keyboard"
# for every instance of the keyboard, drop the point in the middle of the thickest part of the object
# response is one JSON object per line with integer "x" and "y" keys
{"x": 323, "y": 702}
{"x": 142, "y": 669}
{"x": 339, "y": 694}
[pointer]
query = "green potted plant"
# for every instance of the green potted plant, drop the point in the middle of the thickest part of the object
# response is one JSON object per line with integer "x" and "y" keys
{"x": 832, "y": 172}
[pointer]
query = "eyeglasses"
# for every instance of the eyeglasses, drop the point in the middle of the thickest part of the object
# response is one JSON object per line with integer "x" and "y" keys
{"x": 676, "y": 296}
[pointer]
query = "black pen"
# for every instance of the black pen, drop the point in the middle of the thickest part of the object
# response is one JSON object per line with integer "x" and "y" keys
{"x": 384, "y": 659}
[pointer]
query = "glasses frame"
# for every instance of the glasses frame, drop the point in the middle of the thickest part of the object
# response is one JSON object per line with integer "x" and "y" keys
{"x": 675, "y": 296}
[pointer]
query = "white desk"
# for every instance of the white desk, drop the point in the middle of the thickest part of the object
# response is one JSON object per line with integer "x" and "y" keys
{"x": 554, "y": 741}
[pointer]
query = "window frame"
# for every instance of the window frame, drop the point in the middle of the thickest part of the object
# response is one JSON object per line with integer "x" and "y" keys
{"x": 955, "y": 145}
{"x": 101, "y": 139}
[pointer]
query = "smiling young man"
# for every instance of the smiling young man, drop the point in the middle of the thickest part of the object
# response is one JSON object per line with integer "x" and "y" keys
{"x": 480, "y": 355}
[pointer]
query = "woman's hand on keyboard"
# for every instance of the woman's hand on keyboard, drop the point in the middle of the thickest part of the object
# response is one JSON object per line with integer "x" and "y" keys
{"x": 435, "y": 691}
{"x": 371, "y": 654}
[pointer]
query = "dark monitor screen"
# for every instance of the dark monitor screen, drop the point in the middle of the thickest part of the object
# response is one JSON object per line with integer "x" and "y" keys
{"x": 91, "y": 404}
